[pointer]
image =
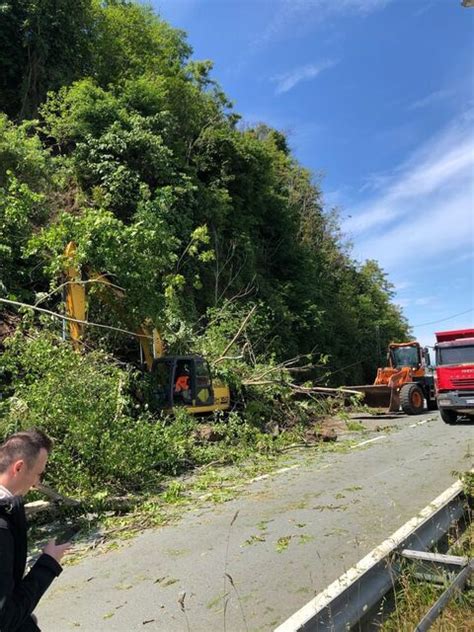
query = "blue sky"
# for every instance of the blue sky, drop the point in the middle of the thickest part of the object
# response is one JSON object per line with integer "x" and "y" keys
{"x": 377, "y": 99}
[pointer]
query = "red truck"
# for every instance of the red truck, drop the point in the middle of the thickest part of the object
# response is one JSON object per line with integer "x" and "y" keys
{"x": 454, "y": 377}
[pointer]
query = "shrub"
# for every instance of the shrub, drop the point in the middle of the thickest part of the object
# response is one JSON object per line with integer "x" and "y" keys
{"x": 103, "y": 442}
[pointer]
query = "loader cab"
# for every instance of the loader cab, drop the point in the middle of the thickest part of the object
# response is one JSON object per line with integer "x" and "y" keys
{"x": 181, "y": 381}
{"x": 405, "y": 356}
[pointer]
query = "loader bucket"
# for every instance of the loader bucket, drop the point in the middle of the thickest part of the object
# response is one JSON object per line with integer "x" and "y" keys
{"x": 379, "y": 396}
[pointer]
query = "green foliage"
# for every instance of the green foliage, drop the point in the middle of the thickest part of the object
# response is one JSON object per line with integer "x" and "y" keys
{"x": 84, "y": 404}
{"x": 414, "y": 597}
{"x": 104, "y": 441}
{"x": 131, "y": 40}
{"x": 467, "y": 479}
{"x": 24, "y": 185}
{"x": 22, "y": 154}
{"x": 18, "y": 207}
{"x": 134, "y": 144}
{"x": 44, "y": 44}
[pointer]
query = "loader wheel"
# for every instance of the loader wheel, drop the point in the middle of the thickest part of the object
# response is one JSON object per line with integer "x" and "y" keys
{"x": 448, "y": 416}
{"x": 411, "y": 399}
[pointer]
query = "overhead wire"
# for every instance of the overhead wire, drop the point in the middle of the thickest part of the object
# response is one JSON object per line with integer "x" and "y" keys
{"x": 73, "y": 320}
{"x": 433, "y": 322}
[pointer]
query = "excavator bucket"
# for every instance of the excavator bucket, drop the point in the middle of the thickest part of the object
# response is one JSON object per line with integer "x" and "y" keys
{"x": 379, "y": 396}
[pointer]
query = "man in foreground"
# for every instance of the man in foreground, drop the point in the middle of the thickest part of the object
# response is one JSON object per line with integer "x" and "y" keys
{"x": 23, "y": 458}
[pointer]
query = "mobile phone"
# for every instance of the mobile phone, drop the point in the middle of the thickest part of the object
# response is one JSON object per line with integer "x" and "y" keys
{"x": 67, "y": 535}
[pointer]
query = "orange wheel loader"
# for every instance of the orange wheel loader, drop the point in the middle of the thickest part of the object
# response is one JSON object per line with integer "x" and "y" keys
{"x": 407, "y": 381}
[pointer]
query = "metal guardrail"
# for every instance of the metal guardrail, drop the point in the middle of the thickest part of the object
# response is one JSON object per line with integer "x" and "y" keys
{"x": 347, "y": 600}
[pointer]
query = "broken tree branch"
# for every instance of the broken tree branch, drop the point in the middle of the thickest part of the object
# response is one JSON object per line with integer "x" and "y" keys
{"x": 324, "y": 390}
{"x": 311, "y": 390}
{"x": 241, "y": 328}
{"x": 55, "y": 496}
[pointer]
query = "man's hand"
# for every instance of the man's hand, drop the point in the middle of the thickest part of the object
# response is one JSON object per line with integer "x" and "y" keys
{"x": 56, "y": 551}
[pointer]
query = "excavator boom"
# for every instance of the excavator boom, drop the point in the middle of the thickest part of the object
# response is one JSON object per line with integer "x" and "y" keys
{"x": 76, "y": 307}
{"x": 75, "y": 297}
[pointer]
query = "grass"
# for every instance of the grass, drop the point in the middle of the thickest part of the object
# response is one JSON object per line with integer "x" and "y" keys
{"x": 414, "y": 597}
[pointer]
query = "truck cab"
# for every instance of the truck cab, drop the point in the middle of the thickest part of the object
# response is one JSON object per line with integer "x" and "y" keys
{"x": 454, "y": 378}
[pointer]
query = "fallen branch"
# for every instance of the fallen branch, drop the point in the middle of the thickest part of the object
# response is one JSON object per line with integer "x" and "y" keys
{"x": 73, "y": 320}
{"x": 222, "y": 358}
{"x": 55, "y": 496}
{"x": 324, "y": 390}
{"x": 261, "y": 382}
{"x": 99, "y": 279}
{"x": 38, "y": 506}
{"x": 115, "y": 503}
{"x": 241, "y": 328}
{"x": 52, "y": 505}
{"x": 316, "y": 390}
{"x": 283, "y": 366}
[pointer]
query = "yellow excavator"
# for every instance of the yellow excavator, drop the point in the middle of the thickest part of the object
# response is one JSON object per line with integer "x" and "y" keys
{"x": 406, "y": 382}
{"x": 175, "y": 380}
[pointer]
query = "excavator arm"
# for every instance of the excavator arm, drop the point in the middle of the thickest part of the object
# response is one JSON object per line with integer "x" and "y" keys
{"x": 76, "y": 307}
{"x": 75, "y": 297}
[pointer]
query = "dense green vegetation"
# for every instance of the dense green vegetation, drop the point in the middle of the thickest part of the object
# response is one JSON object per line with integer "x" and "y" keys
{"x": 112, "y": 136}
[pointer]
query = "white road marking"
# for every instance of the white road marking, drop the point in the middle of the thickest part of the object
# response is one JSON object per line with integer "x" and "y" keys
{"x": 368, "y": 441}
{"x": 420, "y": 423}
{"x": 281, "y": 471}
{"x": 257, "y": 478}
{"x": 287, "y": 469}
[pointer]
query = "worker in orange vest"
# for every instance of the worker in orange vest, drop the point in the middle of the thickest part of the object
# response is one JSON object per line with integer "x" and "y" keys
{"x": 182, "y": 382}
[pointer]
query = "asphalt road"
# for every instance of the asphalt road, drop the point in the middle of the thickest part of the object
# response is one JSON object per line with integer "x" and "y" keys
{"x": 296, "y": 531}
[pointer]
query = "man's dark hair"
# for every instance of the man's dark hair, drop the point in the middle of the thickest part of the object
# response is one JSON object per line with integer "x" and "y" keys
{"x": 24, "y": 445}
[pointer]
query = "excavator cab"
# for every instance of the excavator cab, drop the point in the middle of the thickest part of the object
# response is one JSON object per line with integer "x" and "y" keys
{"x": 186, "y": 381}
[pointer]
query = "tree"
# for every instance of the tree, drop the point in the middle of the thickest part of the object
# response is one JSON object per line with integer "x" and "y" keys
{"x": 45, "y": 44}
{"x": 25, "y": 182}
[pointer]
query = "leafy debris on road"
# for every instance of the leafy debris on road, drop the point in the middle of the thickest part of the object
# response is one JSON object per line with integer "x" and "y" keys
{"x": 283, "y": 543}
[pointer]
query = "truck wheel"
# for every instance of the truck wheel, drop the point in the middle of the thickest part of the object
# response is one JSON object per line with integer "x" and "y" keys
{"x": 411, "y": 399}
{"x": 448, "y": 416}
